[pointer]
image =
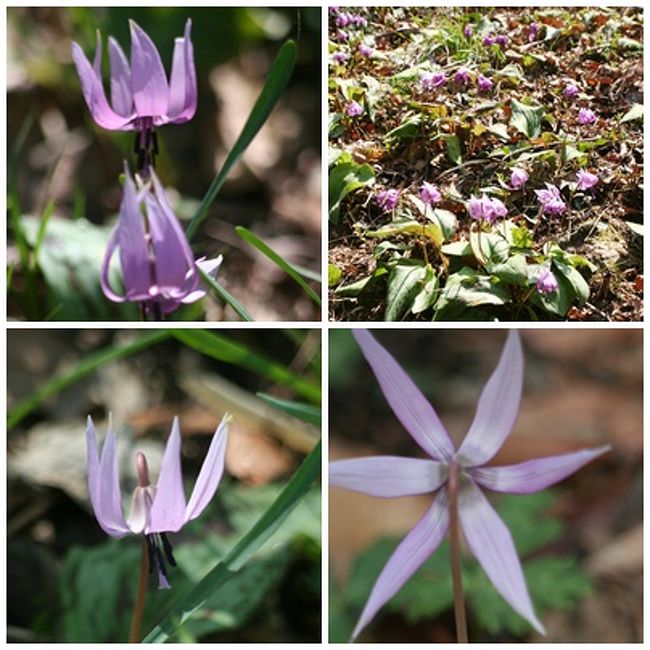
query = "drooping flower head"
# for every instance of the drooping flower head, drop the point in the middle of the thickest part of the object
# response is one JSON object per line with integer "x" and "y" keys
{"x": 551, "y": 200}
{"x": 340, "y": 57}
{"x": 141, "y": 96}
{"x": 431, "y": 80}
{"x": 518, "y": 177}
{"x": 387, "y": 199}
{"x": 484, "y": 83}
{"x": 488, "y": 40}
{"x": 467, "y": 30}
{"x": 353, "y": 109}
{"x": 342, "y": 36}
{"x": 157, "y": 263}
{"x": 586, "y": 116}
{"x": 487, "y": 536}
{"x": 430, "y": 194}
{"x": 366, "y": 50}
{"x": 462, "y": 76}
{"x": 546, "y": 282}
{"x": 156, "y": 509}
{"x": 571, "y": 91}
{"x": 486, "y": 208}
{"x": 586, "y": 180}
{"x": 343, "y": 19}
{"x": 533, "y": 32}
{"x": 501, "y": 40}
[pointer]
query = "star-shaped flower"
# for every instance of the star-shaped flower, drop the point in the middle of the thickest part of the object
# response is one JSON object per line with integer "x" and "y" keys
{"x": 486, "y": 535}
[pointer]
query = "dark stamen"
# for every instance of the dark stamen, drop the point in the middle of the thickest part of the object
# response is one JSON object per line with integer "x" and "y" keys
{"x": 160, "y": 561}
{"x": 168, "y": 549}
{"x": 150, "y": 552}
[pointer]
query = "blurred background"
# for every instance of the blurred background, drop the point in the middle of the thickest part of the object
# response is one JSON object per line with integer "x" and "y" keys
{"x": 70, "y": 582}
{"x": 581, "y": 541}
{"x": 63, "y": 170}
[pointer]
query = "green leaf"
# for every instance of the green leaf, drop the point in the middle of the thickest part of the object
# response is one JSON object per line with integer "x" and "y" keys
{"x": 354, "y": 288}
{"x": 452, "y": 144}
{"x": 218, "y": 346}
{"x": 305, "y": 412}
{"x": 243, "y": 551}
{"x": 578, "y": 283}
{"x": 276, "y": 82}
{"x": 334, "y": 275}
{"x": 431, "y": 231}
{"x": 559, "y": 301}
{"x": 428, "y": 294}
{"x": 526, "y": 119}
{"x": 226, "y": 296}
{"x": 457, "y": 249}
{"x": 345, "y": 177}
{"x": 489, "y": 247}
{"x": 635, "y": 113}
{"x": 404, "y": 283}
{"x": 635, "y": 227}
{"x": 408, "y": 129}
{"x": 513, "y": 271}
{"x": 82, "y": 369}
{"x": 256, "y": 242}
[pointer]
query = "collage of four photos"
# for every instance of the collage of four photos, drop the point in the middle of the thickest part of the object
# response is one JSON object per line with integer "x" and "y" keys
{"x": 324, "y": 324}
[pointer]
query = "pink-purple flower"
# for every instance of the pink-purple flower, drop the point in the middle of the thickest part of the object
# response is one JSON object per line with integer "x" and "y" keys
{"x": 586, "y": 180}
{"x": 518, "y": 177}
{"x": 488, "y": 40}
{"x": 353, "y": 109}
{"x": 571, "y": 91}
{"x": 156, "y": 510}
{"x": 387, "y": 199}
{"x": 484, "y": 83}
{"x": 533, "y": 32}
{"x": 158, "y": 268}
{"x": 486, "y": 208}
{"x": 586, "y": 116}
{"x": 365, "y": 50}
{"x": 462, "y": 75}
{"x": 467, "y": 30}
{"x": 501, "y": 40}
{"x": 551, "y": 200}
{"x": 487, "y": 536}
{"x": 342, "y": 36}
{"x": 431, "y": 80}
{"x": 430, "y": 194}
{"x": 141, "y": 96}
{"x": 546, "y": 282}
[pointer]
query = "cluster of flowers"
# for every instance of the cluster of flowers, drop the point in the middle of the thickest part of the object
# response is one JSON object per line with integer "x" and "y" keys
{"x": 431, "y": 80}
{"x": 158, "y": 268}
{"x": 489, "y": 209}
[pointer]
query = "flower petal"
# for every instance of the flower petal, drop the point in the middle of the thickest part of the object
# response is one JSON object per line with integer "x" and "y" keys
{"x": 104, "y": 278}
{"x": 210, "y": 268}
{"x": 534, "y": 475}
{"x": 211, "y": 471}
{"x": 409, "y": 556}
{"x": 182, "y": 84}
{"x": 497, "y": 408}
{"x": 108, "y": 506}
{"x": 490, "y": 542}
{"x": 148, "y": 79}
{"x": 138, "y": 519}
{"x": 92, "y": 461}
{"x": 388, "y": 476}
{"x": 121, "y": 96}
{"x": 408, "y": 403}
{"x": 93, "y": 91}
{"x": 168, "y": 509}
{"x": 134, "y": 252}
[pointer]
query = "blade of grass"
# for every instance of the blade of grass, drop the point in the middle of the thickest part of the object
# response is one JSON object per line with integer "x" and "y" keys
{"x": 304, "y": 412}
{"x": 90, "y": 363}
{"x": 224, "y": 349}
{"x": 255, "y": 241}
{"x": 276, "y": 82}
{"x": 243, "y": 551}
{"x": 227, "y": 297}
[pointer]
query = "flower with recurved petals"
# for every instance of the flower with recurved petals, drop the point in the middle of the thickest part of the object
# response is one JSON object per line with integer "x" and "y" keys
{"x": 518, "y": 178}
{"x": 141, "y": 96}
{"x": 462, "y": 75}
{"x": 430, "y": 194}
{"x": 547, "y": 282}
{"x": 486, "y": 209}
{"x": 571, "y": 91}
{"x": 487, "y": 536}
{"x": 551, "y": 200}
{"x": 586, "y": 116}
{"x": 353, "y": 109}
{"x": 156, "y": 510}
{"x": 157, "y": 263}
{"x": 586, "y": 180}
{"x": 387, "y": 199}
{"x": 431, "y": 80}
{"x": 484, "y": 83}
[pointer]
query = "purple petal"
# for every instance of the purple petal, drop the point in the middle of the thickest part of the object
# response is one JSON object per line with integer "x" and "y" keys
{"x": 388, "y": 476}
{"x": 211, "y": 471}
{"x": 409, "y": 556}
{"x": 105, "y": 272}
{"x": 134, "y": 252}
{"x": 182, "y": 85}
{"x": 490, "y": 542}
{"x": 497, "y": 408}
{"x": 148, "y": 80}
{"x": 534, "y": 475}
{"x": 168, "y": 509}
{"x": 92, "y": 461}
{"x": 175, "y": 272}
{"x": 108, "y": 495}
{"x": 409, "y": 405}
{"x": 121, "y": 96}
{"x": 210, "y": 268}
{"x": 93, "y": 91}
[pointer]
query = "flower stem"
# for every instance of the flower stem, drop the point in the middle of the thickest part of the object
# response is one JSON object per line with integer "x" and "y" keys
{"x": 454, "y": 544}
{"x": 138, "y": 609}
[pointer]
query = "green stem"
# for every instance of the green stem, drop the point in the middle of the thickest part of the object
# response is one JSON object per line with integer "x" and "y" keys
{"x": 135, "y": 635}
{"x": 454, "y": 543}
